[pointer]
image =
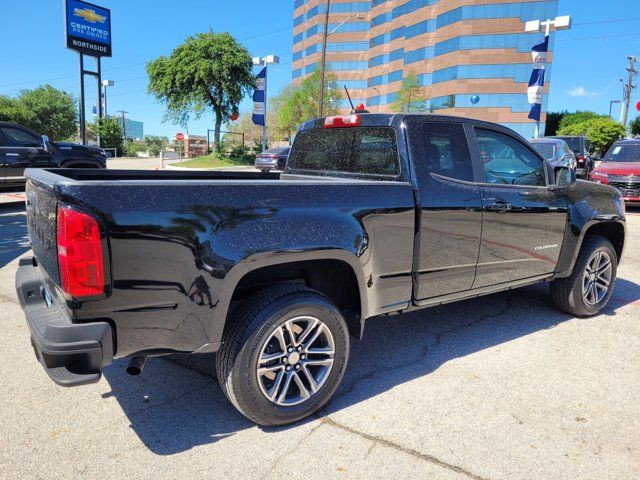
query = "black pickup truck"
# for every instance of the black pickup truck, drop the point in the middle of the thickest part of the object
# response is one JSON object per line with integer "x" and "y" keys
{"x": 374, "y": 214}
{"x": 21, "y": 148}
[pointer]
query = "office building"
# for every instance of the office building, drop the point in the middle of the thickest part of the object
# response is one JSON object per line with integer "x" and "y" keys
{"x": 470, "y": 57}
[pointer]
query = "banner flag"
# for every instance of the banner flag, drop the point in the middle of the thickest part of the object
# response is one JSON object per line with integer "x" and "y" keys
{"x": 536, "y": 82}
{"x": 259, "y": 98}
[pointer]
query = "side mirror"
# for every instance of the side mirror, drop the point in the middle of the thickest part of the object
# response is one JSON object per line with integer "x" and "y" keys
{"x": 565, "y": 177}
{"x": 44, "y": 140}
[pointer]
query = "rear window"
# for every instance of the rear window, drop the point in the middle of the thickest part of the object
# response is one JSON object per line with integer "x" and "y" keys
{"x": 547, "y": 150}
{"x": 360, "y": 150}
{"x": 575, "y": 143}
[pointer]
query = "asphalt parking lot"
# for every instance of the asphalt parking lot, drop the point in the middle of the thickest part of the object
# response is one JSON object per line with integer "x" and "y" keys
{"x": 498, "y": 387}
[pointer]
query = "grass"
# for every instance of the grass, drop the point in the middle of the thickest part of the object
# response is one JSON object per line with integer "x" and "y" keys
{"x": 215, "y": 161}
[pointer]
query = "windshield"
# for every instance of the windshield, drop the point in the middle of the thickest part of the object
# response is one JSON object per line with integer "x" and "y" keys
{"x": 623, "y": 153}
{"x": 573, "y": 142}
{"x": 547, "y": 150}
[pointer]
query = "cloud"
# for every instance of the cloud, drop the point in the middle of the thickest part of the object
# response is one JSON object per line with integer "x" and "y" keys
{"x": 580, "y": 91}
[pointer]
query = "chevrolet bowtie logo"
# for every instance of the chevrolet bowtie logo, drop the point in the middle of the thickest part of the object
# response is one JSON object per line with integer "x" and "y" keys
{"x": 89, "y": 15}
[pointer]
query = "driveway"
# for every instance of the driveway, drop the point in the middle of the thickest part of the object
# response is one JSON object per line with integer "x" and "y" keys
{"x": 503, "y": 386}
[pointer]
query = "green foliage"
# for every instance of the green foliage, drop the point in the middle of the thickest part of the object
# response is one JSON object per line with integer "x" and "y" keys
{"x": 553, "y": 122}
{"x": 601, "y": 130}
{"x": 297, "y": 104}
{"x": 634, "y": 125}
{"x": 155, "y": 144}
{"x": 45, "y": 110}
{"x": 578, "y": 117}
{"x": 209, "y": 70}
{"x": 131, "y": 149}
{"x": 410, "y": 98}
{"x": 110, "y": 132}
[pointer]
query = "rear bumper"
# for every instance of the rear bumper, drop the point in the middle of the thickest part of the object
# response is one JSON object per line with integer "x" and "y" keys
{"x": 71, "y": 354}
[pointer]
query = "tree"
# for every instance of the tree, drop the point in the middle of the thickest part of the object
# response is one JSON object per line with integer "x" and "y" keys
{"x": 209, "y": 70}
{"x": 110, "y": 131}
{"x": 553, "y": 122}
{"x": 635, "y": 126}
{"x": 297, "y": 104}
{"x": 45, "y": 110}
{"x": 409, "y": 98}
{"x": 578, "y": 117}
{"x": 155, "y": 144}
{"x": 601, "y": 130}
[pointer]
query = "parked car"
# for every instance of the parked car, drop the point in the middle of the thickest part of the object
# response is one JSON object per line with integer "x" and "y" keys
{"x": 620, "y": 168}
{"x": 22, "y": 148}
{"x": 374, "y": 214}
{"x": 556, "y": 151}
{"x": 272, "y": 159}
{"x": 582, "y": 149}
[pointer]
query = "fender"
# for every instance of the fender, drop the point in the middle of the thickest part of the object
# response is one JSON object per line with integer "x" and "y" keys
{"x": 589, "y": 205}
{"x": 255, "y": 262}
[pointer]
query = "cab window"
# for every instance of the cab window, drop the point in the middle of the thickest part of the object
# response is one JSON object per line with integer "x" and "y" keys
{"x": 507, "y": 161}
{"x": 447, "y": 151}
{"x": 15, "y": 137}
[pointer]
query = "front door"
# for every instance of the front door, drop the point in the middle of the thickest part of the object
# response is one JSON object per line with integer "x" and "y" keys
{"x": 524, "y": 219}
{"x": 450, "y": 209}
{"x": 21, "y": 149}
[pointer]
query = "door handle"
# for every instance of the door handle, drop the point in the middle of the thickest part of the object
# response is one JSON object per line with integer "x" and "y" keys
{"x": 499, "y": 207}
{"x": 10, "y": 154}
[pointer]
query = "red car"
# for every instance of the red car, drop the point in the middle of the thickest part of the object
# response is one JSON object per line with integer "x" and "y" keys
{"x": 620, "y": 168}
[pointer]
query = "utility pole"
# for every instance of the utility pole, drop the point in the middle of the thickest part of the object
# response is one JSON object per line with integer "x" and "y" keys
{"x": 323, "y": 61}
{"x": 627, "y": 88}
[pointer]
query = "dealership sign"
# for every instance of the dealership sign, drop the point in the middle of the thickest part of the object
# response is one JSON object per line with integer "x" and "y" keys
{"x": 88, "y": 28}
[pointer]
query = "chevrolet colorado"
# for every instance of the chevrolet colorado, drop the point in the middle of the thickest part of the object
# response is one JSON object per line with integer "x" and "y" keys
{"x": 374, "y": 214}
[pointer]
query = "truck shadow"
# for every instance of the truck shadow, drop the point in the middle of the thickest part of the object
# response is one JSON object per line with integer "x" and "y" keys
{"x": 186, "y": 407}
{"x": 14, "y": 239}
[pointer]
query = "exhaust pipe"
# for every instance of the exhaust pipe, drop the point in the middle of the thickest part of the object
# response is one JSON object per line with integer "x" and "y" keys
{"x": 136, "y": 364}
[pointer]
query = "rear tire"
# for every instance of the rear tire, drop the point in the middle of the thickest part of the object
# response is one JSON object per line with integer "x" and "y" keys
{"x": 305, "y": 336}
{"x": 590, "y": 286}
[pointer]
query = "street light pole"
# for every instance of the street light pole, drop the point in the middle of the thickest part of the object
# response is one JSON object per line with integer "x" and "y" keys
{"x": 611, "y": 105}
{"x": 263, "y": 62}
{"x": 105, "y": 84}
{"x": 560, "y": 23}
{"x": 379, "y": 99}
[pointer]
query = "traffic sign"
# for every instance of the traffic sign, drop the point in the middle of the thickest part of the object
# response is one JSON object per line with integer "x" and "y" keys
{"x": 179, "y": 136}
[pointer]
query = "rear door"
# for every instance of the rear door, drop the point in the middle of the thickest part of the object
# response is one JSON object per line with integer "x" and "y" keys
{"x": 450, "y": 208}
{"x": 22, "y": 149}
{"x": 524, "y": 219}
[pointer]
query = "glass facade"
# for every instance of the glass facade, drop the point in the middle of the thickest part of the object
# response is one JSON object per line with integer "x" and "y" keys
{"x": 431, "y": 39}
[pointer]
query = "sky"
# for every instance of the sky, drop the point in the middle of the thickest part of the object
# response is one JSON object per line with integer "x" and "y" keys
{"x": 588, "y": 60}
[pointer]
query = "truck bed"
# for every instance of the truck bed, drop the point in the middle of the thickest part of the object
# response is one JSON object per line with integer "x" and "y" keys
{"x": 180, "y": 242}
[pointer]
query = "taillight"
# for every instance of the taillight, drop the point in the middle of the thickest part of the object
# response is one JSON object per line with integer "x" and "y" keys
{"x": 79, "y": 254}
{"x": 580, "y": 158}
{"x": 342, "y": 121}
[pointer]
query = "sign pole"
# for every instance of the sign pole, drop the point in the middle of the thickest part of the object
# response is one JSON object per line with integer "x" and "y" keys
{"x": 83, "y": 132}
{"x": 264, "y": 125}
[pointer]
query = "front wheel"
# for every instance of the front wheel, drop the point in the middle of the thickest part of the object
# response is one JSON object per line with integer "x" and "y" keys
{"x": 283, "y": 355}
{"x": 590, "y": 286}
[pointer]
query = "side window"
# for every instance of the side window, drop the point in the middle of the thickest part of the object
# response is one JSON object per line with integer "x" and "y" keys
{"x": 447, "y": 151}
{"x": 507, "y": 161}
{"x": 14, "y": 137}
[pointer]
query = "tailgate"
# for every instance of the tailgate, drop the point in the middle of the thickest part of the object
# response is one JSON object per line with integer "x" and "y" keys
{"x": 41, "y": 208}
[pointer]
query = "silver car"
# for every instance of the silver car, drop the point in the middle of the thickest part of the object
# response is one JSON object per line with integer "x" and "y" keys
{"x": 556, "y": 151}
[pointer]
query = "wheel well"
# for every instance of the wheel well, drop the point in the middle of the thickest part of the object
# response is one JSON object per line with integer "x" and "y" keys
{"x": 612, "y": 231}
{"x": 334, "y": 278}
